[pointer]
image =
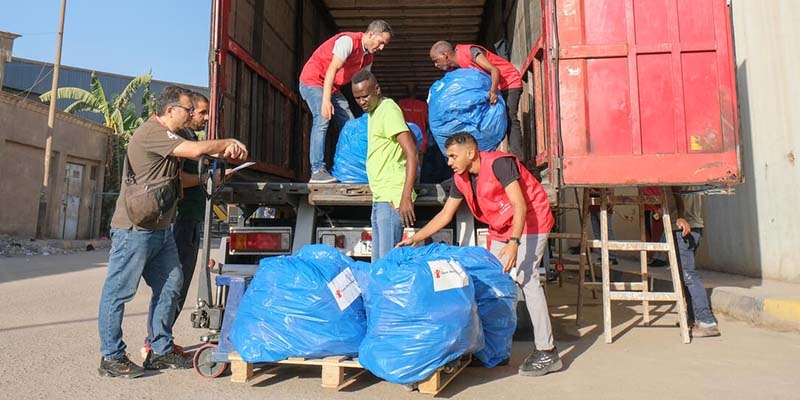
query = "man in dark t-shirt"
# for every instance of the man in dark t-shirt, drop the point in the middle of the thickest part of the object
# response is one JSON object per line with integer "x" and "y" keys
{"x": 137, "y": 252}
{"x": 502, "y": 194}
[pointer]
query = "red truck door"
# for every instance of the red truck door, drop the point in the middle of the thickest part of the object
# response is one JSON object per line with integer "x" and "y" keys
{"x": 645, "y": 92}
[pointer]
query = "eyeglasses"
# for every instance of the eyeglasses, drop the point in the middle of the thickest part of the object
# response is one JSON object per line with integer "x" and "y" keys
{"x": 189, "y": 110}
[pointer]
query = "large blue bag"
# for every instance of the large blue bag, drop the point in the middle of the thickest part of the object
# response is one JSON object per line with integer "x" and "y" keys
{"x": 350, "y": 158}
{"x": 289, "y": 311}
{"x": 459, "y": 102}
{"x": 421, "y": 313}
{"x": 496, "y": 295}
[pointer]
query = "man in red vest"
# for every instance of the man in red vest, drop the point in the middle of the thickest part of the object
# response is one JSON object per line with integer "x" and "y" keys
{"x": 505, "y": 77}
{"x": 501, "y": 192}
{"x": 332, "y": 65}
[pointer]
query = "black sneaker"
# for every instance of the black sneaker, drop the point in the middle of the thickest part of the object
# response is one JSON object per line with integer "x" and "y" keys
{"x": 322, "y": 176}
{"x": 173, "y": 360}
{"x": 657, "y": 263}
{"x": 120, "y": 368}
{"x": 539, "y": 363}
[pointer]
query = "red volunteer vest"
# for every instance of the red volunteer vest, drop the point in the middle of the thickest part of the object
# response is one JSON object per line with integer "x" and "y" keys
{"x": 313, "y": 73}
{"x": 490, "y": 205}
{"x": 509, "y": 76}
{"x": 416, "y": 111}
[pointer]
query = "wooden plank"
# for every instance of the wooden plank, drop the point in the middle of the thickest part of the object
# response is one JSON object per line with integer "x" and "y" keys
{"x": 638, "y": 296}
{"x": 625, "y": 245}
{"x": 617, "y": 285}
{"x": 333, "y": 373}
{"x": 241, "y": 371}
{"x": 442, "y": 377}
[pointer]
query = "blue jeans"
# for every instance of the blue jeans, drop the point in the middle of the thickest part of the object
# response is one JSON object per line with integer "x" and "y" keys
{"x": 319, "y": 128}
{"x": 686, "y": 247}
{"x": 134, "y": 255}
{"x": 187, "y": 241}
{"x": 387, "y": 229}
{"x": 595, "y": 217}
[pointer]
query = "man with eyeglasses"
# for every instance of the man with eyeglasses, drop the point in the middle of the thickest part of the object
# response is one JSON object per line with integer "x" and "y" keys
{"x": 189, "y": 215}
{"x": 154, "y": 153}
{"x": 505, "y": 77}
{"x": 332, "y": 65}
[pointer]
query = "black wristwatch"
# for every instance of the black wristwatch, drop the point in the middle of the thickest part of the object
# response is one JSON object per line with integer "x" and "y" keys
{"x": 515, "y": 239}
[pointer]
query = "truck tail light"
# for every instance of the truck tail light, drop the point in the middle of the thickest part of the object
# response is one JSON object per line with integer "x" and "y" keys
{"x": 259, "y": 242}
{"x": 366, "y": 235}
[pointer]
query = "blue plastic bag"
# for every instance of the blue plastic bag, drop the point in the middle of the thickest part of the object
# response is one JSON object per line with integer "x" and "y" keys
{"x": 350, "y": 159}
{"x": 459, "y": 102}
{"x": 496, "y": 295}
{"x": 289, "y": 311}
{"x": 421, "y": 313}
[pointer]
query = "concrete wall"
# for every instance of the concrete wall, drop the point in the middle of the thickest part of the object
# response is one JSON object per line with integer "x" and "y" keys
{"x": 23, "y": 130}
{"x": 757, "y": 231}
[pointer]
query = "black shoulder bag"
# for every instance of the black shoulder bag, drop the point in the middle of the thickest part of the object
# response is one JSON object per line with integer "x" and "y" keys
{"x": 148, "y": 204}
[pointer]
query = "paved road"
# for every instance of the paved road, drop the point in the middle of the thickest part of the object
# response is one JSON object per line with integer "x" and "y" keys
{"x": 49, "y": 350}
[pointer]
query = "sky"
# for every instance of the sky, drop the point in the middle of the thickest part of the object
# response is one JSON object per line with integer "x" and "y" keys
{"x": 169, "y": 37}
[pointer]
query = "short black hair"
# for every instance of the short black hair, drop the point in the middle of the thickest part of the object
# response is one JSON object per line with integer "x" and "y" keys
{"x": 169, "y": 96}
{"x": 363, "y": 75}
{"x": 380, "y": 26}
{"x": 460, "y": 138}
{"x": 199, "y": 97}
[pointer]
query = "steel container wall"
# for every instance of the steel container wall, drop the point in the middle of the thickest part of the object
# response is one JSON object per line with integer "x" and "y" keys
{"x": 645, "y": 92}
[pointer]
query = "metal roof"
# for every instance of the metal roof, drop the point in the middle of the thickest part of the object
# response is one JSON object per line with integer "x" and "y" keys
{"x": 30, "y": 78}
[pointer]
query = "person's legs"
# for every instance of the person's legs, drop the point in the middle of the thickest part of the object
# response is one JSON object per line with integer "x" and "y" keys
{"x": 387, "y": 229}
{"x": 127, "y": 259}
{"x": 511, "y": 96}
{"x": 686, "y": 248}
{"x": 187, "y": 242}
{"x": 163, "y": 275}
{"x": 544, "y": 358}
{"x": 319, "y": 127}
{"x": 341, "y": 110}
{"x": 595, "y": 218}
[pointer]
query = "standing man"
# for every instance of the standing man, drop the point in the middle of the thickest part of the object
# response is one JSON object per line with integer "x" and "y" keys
{"x": 688, "y": 229}
{"x": 332, "y": 65}
{"x": 505, "y": 77}
{"x": 138, "y": 252}
{"x": 189, "y": 216}
{"x": 391, "y": 164}
{"x": 503, "y": 194}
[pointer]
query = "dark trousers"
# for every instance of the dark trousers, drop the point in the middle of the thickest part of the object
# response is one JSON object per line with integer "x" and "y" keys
{"x": 514, "y": 131}
{"x": 187, "y": 240}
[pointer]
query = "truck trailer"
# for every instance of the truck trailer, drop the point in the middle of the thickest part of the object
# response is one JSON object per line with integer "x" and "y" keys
{"x": 616, "y": 93}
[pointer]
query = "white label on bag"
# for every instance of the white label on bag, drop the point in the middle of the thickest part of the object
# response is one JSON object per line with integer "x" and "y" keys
{"x": 447, "y": 274}
{"x": 344, "y": 288}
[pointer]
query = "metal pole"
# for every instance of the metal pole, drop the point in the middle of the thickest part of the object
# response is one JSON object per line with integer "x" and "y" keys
{"x": 51, "y": 119}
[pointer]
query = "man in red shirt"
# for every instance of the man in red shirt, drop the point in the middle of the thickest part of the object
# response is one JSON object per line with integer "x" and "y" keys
{"x": 332, "y": 65}
{"x": 505, "y": 77}
{"x": 503, "y": 194}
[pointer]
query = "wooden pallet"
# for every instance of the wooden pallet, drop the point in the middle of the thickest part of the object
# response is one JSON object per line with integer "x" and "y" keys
{"x": 334, "y": 374}
{"x": 443, "y": 376}
{"x": 337, "y": 371}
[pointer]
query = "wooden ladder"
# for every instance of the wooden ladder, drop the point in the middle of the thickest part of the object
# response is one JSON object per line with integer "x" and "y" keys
{"x": 629, "y": 291}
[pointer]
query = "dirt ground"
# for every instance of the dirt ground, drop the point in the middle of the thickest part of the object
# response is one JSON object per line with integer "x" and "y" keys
{"x": 49, "y": 350}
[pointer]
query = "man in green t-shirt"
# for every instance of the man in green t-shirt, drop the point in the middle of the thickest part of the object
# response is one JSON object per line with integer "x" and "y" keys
{"x": 391, "y": 164}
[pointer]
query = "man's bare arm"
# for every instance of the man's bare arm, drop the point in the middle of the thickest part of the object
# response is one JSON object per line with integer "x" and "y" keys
{"x": 222, "y": 148}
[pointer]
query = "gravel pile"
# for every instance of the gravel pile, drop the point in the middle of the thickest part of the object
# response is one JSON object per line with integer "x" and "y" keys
{"x": 20, "y": 246}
